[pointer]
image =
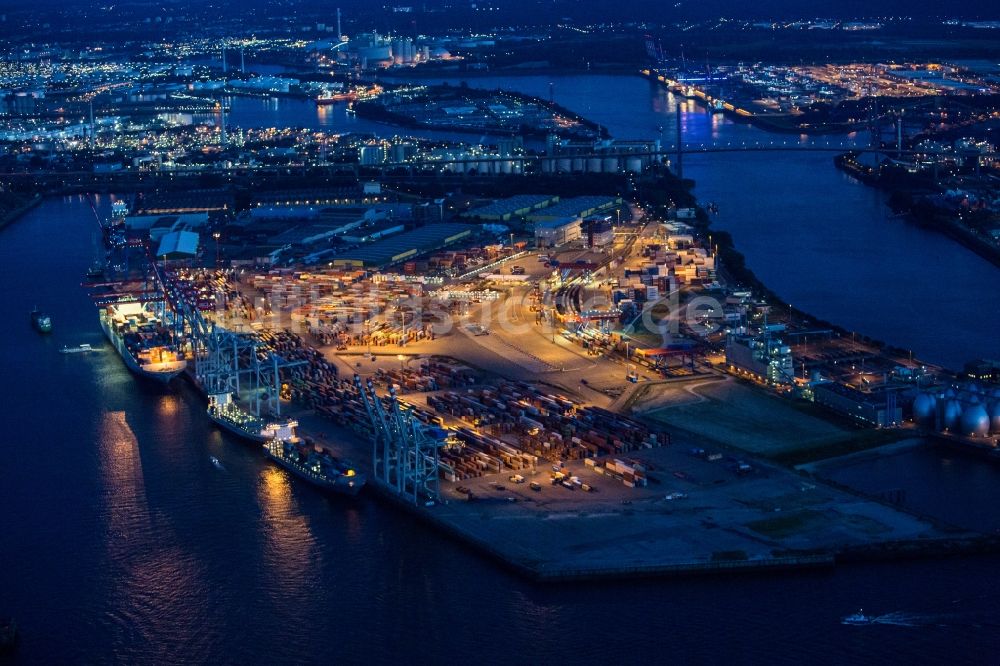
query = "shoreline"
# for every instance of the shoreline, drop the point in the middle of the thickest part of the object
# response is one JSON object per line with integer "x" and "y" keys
{"x": 519, "y": 535}
{"x": 936, "y": 221}
{"x": 768, "y": 123}
{"x": 374, "y": 111}
{"x": 516, "y": 559}
{"x": 15, "y": 214}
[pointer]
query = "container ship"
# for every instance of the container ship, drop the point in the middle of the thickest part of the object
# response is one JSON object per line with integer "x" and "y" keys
{"x": 142, "y": 341}
{"x": 224, "y": 411}
{"x": 314, "y": 465}
{"x": 334, "y": 97}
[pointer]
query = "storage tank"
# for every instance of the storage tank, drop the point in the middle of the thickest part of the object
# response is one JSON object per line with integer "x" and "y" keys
{"x": 951, "y": 415}
{"x": 995, "y": 418}
{"x": 924, "y": 410}
{"x": 975, "y": 421}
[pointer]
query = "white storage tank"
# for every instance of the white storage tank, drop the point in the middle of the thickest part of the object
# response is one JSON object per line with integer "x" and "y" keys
{"x": 975, "y": 421}
{"x": 924, "y": 410}
{"x": 995, "y": 418}
{"x": 951, "y": 415}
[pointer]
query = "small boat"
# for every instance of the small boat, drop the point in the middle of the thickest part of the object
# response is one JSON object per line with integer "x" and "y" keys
{"x": 79, "y": 349}
{"x": 41, "y": 321}
{"x": 216, "y": 463}
{"x": 858, "y": 618}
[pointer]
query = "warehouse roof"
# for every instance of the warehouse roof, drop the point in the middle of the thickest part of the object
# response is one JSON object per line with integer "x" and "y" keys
{"x": 403, "y": 246}
{"x": 177, "y": 244}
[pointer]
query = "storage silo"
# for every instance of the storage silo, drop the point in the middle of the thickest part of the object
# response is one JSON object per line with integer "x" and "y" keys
{"x": 995, "y": 418}
{"x": 975, "y": 421}
{"x": 924, "y": 410}
{"x": 951, "y": 415}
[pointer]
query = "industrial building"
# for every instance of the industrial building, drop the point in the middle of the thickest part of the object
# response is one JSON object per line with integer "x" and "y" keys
{"x": 178, "y": 245}
{"x": 579, "y": 207}
{"x": 552, "y": 233}
{"x": 159, "y": 225}
{"x": 599, "y": 230}
{"x": 374, "y": 232}
{"x": 515, "y": 207}
{"x": 183, "y": 203}
{"x": 763, "y": 357}
{"x": 983, "y": 370}
{"x": 395, "y": 249}
{"x": 877, "y": 408}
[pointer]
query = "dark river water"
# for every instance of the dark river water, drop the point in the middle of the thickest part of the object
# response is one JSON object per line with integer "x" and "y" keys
{"x": 121, "y": 543}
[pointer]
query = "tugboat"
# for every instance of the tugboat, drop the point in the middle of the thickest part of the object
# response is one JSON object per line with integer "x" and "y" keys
{"x": 316, "y": 466}
{"x": 858, "y": 618}
{"x": 8, "y": 634}
{"x": 41, "y": 321}
{"x": 85, "y": 348}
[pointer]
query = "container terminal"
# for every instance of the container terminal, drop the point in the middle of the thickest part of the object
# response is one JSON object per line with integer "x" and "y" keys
{"x": 504, "y": 393}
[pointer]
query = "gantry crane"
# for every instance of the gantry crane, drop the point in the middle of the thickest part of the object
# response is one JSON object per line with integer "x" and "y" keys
{"x": 405, "y": 453}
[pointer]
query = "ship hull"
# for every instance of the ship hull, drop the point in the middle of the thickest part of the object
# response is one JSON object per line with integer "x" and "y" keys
{"x": 40, "y": 323}
{"x": 235, "y": 429}
{"x": 159, "y": 376}
{"x": 342, "y": 485}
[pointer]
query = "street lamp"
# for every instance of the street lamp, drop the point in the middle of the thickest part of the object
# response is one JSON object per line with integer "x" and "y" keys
{"x": 217, "y": 235}
{"x": 402, "y": 361}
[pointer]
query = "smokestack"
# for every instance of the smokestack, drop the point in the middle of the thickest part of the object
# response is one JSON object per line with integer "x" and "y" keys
{"x": 224, "y": 70}
{"x": 243, "y": 61}
{"x": 340, "y": 35}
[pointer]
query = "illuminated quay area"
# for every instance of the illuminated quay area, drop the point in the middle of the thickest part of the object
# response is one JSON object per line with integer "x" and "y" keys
{"x": 573, "y": 384}
{"x": 594, "y": 331}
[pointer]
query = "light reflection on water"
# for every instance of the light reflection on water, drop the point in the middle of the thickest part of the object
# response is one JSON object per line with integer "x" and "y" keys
{"x": 124, "y": 492}
{"x": 289, "y": 547}
{"x": 180, "y": 562}
{"x": 155, "y": 578}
